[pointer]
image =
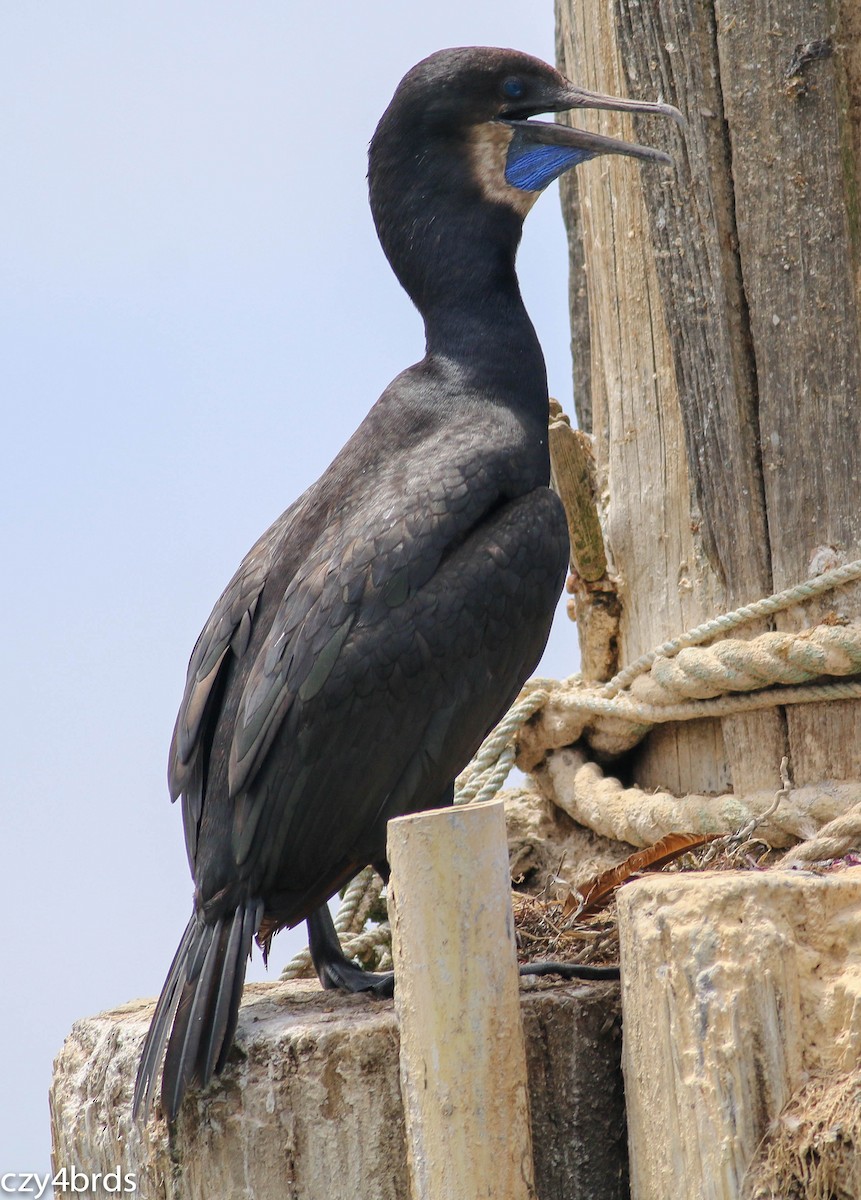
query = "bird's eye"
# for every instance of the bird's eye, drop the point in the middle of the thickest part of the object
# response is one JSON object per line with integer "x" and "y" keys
{"x": 513, "y": 88}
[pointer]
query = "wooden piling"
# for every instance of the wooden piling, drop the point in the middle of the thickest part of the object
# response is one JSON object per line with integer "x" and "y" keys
{"x": 738, "y": 990}
{"x": 724, "y": 343}
{"x": 463, "y": 1062}
{"x": 716, "y": 320}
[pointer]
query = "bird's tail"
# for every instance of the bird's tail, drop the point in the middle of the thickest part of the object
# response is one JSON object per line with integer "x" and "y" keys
{"x": 196, "y": 1014}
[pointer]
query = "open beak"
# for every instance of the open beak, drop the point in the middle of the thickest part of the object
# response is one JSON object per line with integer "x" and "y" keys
{"x": 550, "y": 133}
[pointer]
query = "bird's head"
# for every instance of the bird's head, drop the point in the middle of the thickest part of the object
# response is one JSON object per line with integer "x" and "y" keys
{"x": 486, "y": 99}
{"x": 459, "y": 143}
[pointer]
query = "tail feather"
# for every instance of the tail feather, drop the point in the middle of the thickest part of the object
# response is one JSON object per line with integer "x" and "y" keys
{"x": 182, "y": 1064}
{"x": 161, "y": 1023}
{"x": 215, "y": 1035}
{"x": 251, "y": 918}
{"x": 195, "y": 1018}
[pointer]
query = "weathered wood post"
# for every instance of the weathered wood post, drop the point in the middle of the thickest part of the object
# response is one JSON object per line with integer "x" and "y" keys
{"x": 463, "y": 1058}
{"x": 741, "y": 993}
{"x": 717, "y": 364}
{"x": 723, "y": 341}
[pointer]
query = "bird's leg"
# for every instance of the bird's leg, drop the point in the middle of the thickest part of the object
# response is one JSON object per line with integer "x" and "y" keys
{"x": 334, "y": 969}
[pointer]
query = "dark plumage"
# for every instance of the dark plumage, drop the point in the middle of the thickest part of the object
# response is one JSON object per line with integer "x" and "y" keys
{"x": 385, "y": 622}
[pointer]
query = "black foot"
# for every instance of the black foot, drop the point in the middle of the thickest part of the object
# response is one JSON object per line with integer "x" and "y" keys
{"x": 569, "y": 970}
{"x": 334, "y": 969}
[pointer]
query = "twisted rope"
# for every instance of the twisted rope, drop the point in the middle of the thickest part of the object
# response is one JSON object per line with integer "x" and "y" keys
{"x": 683, "y": 681}
{"x": 743, "y": 666}
{"x": 726, "y": 622}
{"x": 840, "y": 836}
{"x": 372, "y": 947}
{"x": 360, "y": 897}
{"x": 482, "y": 778}
{"x": 614, "y": 726}
{"x": 640, "y": 818}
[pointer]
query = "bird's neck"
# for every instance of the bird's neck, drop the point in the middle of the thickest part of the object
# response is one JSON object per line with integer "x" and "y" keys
{"x": 459, "y": 269}
{"x": 481, "y": 324}
{"x": 453, "y": 249}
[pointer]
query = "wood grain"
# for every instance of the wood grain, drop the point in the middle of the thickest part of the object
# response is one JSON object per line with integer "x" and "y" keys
{"x": 724, "y": 339}
{"x": 795, "y": 184}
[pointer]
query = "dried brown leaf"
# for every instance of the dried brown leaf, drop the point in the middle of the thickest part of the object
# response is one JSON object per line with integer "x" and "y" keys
{"x": 598, "y": 891}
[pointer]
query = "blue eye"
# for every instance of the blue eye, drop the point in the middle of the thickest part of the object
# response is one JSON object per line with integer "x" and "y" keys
{"x": 513, "y": 88}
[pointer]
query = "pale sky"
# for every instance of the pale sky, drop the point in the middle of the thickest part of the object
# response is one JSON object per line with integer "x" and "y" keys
{"x": 195, "y": 316}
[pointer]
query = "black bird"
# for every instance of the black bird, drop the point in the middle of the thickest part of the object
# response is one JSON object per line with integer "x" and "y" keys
{"x": 385, "y": 622}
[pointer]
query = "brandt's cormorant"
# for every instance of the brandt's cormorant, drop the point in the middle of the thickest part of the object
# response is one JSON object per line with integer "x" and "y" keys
{"x": 385, "y": 622}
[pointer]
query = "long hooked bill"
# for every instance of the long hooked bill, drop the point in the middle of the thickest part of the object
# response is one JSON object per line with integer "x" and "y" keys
{"x": 552, "y": 133}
